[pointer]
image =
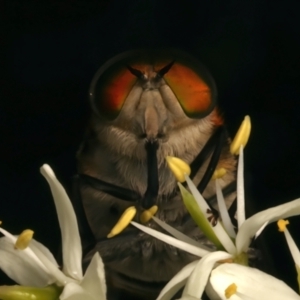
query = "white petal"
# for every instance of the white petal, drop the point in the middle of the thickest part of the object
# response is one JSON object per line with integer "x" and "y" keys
{"x": 71, "y": 244}
{"x": 27, "y": 251}
{"x": 260, "y": 230}
{"x": 94, "y": 278}
{"x": 218, "y": 228}
{"x": 254, "y": 223}
{"x": 177, "y": 282}
{"x": 251, "y": 283}
{"x": 39, "y": 247}
{"x": 224, "y": 238}
{"x": 41, "y": 256}
{"x": 21, "y": 267}
{"x": 47, "y": 259}
{"x": 240, "y": 193}
{"x": 178, "y": 235}
{"x": 73, "y": 291}
{"x": 172, "y": 241}
{"x": 224, "y": 212}
{"x": 198, "y": 197}
{"x": 199, "y": 277}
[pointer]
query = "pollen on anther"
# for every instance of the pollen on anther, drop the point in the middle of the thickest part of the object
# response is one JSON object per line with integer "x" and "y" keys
{"x": 219, "y": 173}
{"x": 24, "y": 239}
{"x": 231, "y": 290}
{"x": 148, "y": 214}
{"x": 282, "y": 224}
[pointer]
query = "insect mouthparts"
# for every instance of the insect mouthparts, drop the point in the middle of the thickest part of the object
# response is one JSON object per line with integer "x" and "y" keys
{"x": 150, "y": 196}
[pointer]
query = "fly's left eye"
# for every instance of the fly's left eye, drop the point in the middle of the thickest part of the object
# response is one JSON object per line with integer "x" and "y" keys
{"x": 192, "y": 92}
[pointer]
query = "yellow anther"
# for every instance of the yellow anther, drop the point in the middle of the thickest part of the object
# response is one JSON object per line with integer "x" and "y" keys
{"x": 24, "y": 239}
{"x": 231, "y": 290}
{"x": 123, "y": 222}
{"x": 0, "y": 222}
{"x": 219, "y": 173}
{"x": 178, "y": 167}
{"x": 282, "y": 224}
{"x": 148, "y": 214}
{"x": 241, "y": 137}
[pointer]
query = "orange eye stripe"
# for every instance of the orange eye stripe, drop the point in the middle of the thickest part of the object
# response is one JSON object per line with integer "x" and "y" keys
{"x": 191, "y": 91}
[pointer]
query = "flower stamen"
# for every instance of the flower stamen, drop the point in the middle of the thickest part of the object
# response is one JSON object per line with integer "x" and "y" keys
{"x": 231, "y": 290}
{"x": 219, "y": 173}
{"x": 178, "y": 167}
{"x": 290, "y": 241}
{"x": 24, "y": 239}
{"x": 282, "y": 224}
{"x": 148, "y": 214}
{"x": 123, "y": 222}
{"x": 241, "y": 137}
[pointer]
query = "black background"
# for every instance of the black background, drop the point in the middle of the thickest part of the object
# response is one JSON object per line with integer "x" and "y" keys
{"x": 52, "y": 50}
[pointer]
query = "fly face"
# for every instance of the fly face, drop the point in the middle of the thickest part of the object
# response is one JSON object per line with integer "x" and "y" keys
{"x": 148, "y": 105}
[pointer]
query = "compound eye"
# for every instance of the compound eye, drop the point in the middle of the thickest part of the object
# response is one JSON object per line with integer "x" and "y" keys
{"x": 192, "y": 92}
{"x": 110, "y": 91}
{"x": 188, "y": 79}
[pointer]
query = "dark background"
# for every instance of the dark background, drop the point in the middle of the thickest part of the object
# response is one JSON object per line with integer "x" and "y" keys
{"x": 51, "y": 52}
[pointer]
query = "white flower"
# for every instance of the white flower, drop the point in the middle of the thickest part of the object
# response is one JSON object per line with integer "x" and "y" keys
{"x": 35, "y": 265}
{"x": 237, "y": 250}
{"x": 250, "y": 283}
{"x": 193, "y": 276}
{"x": 217, "y": 277}
{"x": 222, "y": 234}
{"x": 250, "y": 227}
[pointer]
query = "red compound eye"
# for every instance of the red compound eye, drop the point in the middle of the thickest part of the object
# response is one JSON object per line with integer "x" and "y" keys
{"x": 190, "y": 89}
{"x": 190, "y": 82}
{"x": 115, "y": 92}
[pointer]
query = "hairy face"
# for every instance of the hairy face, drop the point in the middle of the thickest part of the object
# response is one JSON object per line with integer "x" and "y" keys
{"x": 157, "y": 101}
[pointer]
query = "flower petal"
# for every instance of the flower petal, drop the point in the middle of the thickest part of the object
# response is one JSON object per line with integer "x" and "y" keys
{"x": 177, "y": 282}
{"x": 178, "y": 235}
{"x": 251, "y": 283}
{"x": 218, "y": 229}
{"x": 71, "y": 244}
{"x": 172, "y": 241}
{"x": 224, "y": 212}
{"x": 199, "y": 277}
{"x": 254, "y": 223}
{"x": 197, "y": 214}
{"x": 94, "y": 278}
{"x": 42, "y": 257}
{"x": 240, "y": 190}
{"x": 73, "y": 291}
{"x": 17, "y": 264}
{"x": 50, "y": 264}
{"x": 38, "y": 247}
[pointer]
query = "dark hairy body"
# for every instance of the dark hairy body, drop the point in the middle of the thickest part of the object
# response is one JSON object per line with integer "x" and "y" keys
{"x": 115, "y": 151}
